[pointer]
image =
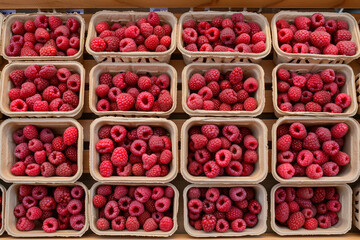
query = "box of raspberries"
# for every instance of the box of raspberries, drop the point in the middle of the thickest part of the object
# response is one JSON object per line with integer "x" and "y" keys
{"x": 314, "y": 90}
{"x": 134, "y": 210}
{"x": 223, "y": 89}
{"x": 139, "y": 89}
{"x": 2, "y": 208}
{"x": 133, "y": 150}
{"x": 312, "y": 37}
{"x": 137, "y": 37}
{"x": 47, "y": 210}
{"x": 223, "y": 37}
{"x": 41, "y": 150}
{"x": 309, "y": 210}
{"x": 315, "y": 150}
{"x": 224, "y": 150}
{"x": 42, "y": 89}
{"x": 43, "y": 36}
{"x": 225, "y": 211}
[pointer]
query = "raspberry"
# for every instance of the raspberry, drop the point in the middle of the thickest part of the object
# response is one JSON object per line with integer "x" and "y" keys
{"x": 298, "y": 130}
{"x": 24, "y": 224}
{"x": 238, "y": 225}
{"x": 339, "y": 130}
{"x": 285, "y": 170}
{"x": 70, "y": 135}
{"x": 223, "y": 158}
{"x": 341, "y": 158}
{"x": 155, "y": 171}
{"x": 208, "y": 222}
{"x": 324, "y": 221}
{"x": 18, "y": 169}
{"x": 50, "y": 225}
{"x": 106, "y": 169}
{"x": 314, "y": 171}
{"x": 118, "y": 223}
{"x": 250, "y": 104}
{"x": 282, "y": 212}
{"x": 132, "y": 224}
{"x": 211, "y": 169}
{"x": 102, "y": 224}
{"x": 343, "y": 100}
{"x": 330, "y": 169}
{"x": 73, "y": 83}
{"x": 125, "y": 101}
{"x": 305, "y": 158}
{"x": 299, "y": 81}
{"x": 63, "y": 170}
{"x": 97, "y": 44}
{"x": 285, "y": 35}
{"x": 347, "y": 48}
{"x": 311, "y": 142}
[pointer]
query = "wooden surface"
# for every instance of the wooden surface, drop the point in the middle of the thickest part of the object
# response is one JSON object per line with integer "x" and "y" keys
{"x": 179, "y": 116}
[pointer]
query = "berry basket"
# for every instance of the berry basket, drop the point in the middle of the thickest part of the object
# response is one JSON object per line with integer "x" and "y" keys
{"x": 138, "y": 233}
{"x": 138, "y": 68}
{"x": 260, "y": 228}
{"x": 357, "y": 85}
{"x": 130, "y": 57}
{"x": 356, "y": 204}
{"x": 3, "y": 202}
{"x": 252, "y": 70}
{"x": 6, "y": 85}
{"x": 260, "y": 133}
{"x": 222, "y": 57}
{"x": 282, "y": 57}
{"x": 132, "y": 122}
{"x": 9, "y": 20}
{"x": 342, "y": 227}
{"x": 7, "y": 151}
{"x": 348, "y": 88}
{"x": 348, "y": 174}
{"x": 12, "y": 201}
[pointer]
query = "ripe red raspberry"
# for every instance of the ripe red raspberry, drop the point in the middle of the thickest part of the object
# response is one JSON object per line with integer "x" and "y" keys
{"x": 302, "y": 23}
{"x": 97, "y": 44}
{"x": 347, "y": 48}
{"x": 196, "y": 82}
{"x": 106, "y": 169}
{"x": 320, "y": 39}
{"x": 314, "y": 171}
{"x": 296, "y": 221}
{"x": 343, "y": 100}
{"x": 282, "y": 212}
{"x": 208, "y": 222}
{"x": 328, "y": 75}
{"x": 18, "y": 169}
{"x": 238, "y": 225}
{"x": 211, "y": 169}
{"x": 339, "y": 130}
{"x": 24, "y": 224}
{"x": 341, "y": 158}
{"x": 285, "y": 170}
{"x": 70, "y": 135}
{"x": 125, "y": 101}
{"x": 285, "y": 35}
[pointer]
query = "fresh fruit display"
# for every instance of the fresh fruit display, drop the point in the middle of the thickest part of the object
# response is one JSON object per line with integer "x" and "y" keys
{"x": 141, "y": 151}
{"x": 128, "y": 91}
{"x": 221, "y": 151}
{"x": 307, "y": 207}
{"x": 50, "y": 208}
{"x": 132, "y": 208}
{"x": 45, "y": 36}
{"x": 224, "y": 35}
{"x": 43, "y": 89}
{"x": 314, "y": 151}
{"x": 145, "y": 35}
{"x": 222, "y": 209}
{"x": 231, "y": 91}
{"x": 315, "y": 35}
{"x": 41, "y": 152}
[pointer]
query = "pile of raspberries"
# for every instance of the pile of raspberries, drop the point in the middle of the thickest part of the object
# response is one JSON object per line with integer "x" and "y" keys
{"x": 307, "y": 207}
{"x": 315, "y": 35}
{"x": 144, "y": 35}
{"x": 224, "y": 35}
{"x": 311, "y": 151}
{"x": 222, "y": 209}
{"x": 39, "y": 152}
{"x": 128, "y": 91}
{"x": 45, "y": 36}
{"x": 45, "y": 88}
{"x": 222, "y": 92}
{"x": 221, "y": 151}
{"x": 134, "y": 208}
{"x": 53, "y": 208}
{"x": 141, "y": 151}
{"x": 311, "y": 92}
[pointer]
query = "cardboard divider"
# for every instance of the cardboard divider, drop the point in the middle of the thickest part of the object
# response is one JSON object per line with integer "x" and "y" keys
{"x": 3, "y": 205}
{"x": 342, "y": 227}
{"x": 249, "y": 70}
{"x": 139, "y": 68}
{"x": 348, "y": 174}
{"x": 132, "y": 122}
{"x": 130, "y": 57}
{"x": 222, "y": 57}
{"x": 6, "y": 85}
{"x": 23, "y": 17}
{"x": 259, "y": 131}
{"x": 8, "y": 158}
{"x": 356, "y": 206}
{"x": 94, "y": 213}
{"x": 260, "y": 228}
{"x": 12, "y": 201}
{"x": 283, "y": 57}
{"x": 348, "y": 88}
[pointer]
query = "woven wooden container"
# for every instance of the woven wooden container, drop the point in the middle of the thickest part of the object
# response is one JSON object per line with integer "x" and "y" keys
{"x": 7, "y": 128}
{"x": 260, "y": 133}
{"x": 348, "y": 88}
{"x": 12, "y": 201}
{"x": 342, "y": 227}
{"x": 357, "y": 85}
{"x": 348, "y": 174}
{"x": 94, "y": 213}
{"x": 283, "y": 57}
{"x": 3, "y": 205}
{"x": 139, "y": 68}
{"x": 260, "y": 228}
{"x": 249, "y": 70}
{"x": 23, "y": 17}
{"x": 6, "y": 85}
{"x": 132, "y": 122}
{"x": 222, "y": 57}
{"x": 356, "y": 206}
{"x": 130, "y": 57}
